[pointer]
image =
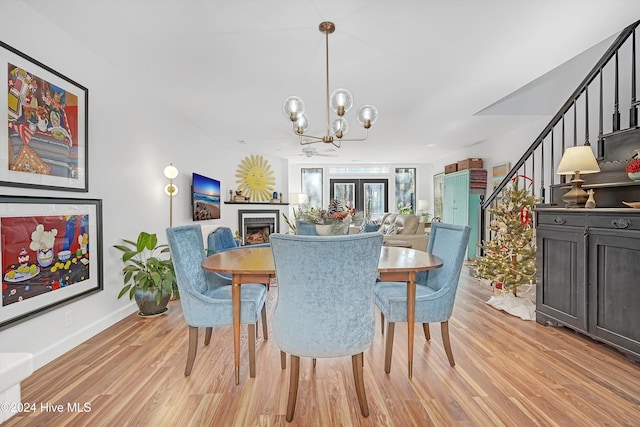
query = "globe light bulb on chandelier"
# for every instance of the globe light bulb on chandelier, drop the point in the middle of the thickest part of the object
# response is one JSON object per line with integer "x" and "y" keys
{"x": 340, "y": 102}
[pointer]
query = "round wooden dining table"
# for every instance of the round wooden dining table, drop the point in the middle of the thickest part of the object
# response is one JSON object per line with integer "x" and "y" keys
{"x": 255, "y": 265}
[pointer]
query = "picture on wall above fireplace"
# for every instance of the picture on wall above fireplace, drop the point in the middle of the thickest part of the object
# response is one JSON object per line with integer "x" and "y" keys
{"x": 205, "y": 198}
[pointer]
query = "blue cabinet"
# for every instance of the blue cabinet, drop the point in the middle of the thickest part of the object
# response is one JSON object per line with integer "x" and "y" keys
{"x": 461, "y": 202}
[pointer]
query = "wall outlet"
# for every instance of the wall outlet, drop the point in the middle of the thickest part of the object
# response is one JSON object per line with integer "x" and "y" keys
{"x": 68, "y": 318}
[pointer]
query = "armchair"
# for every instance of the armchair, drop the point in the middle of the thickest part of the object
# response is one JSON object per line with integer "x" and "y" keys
{"x": 435, "y": 289}
{"x": 325, "y": 301}
{"x": 206, "y": 297}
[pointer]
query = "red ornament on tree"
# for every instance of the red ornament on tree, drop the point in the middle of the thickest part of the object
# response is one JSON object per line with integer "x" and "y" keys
{"x": 525, "y": 216}
{"x": 633, "y": 167}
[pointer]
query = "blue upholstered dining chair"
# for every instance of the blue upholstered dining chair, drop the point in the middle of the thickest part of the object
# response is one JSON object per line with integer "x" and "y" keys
{"x": 325, "y": 302}
{"x": 206, "y": 297}
{"x": 435, "y": 289}
{"x": 221, "y": 239}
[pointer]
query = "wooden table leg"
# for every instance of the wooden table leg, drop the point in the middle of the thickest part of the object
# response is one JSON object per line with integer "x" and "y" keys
{"x": 411, "y": 316}
{"x": 235, "y": 298}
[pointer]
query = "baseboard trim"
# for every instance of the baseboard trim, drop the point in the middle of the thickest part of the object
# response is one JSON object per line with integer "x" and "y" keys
{"x": 73, "y": 340}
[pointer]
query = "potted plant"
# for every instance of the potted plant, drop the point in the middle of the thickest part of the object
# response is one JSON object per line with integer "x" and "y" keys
{"x": 332, "y": 221}
{"x": 149, "y": 277}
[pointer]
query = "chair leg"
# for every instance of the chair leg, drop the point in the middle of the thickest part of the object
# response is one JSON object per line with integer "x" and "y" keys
{"x": 382, "y": 322}
{"x": 207, "y": 335}
{"x": 388, "y": 350}
{"x": 357, "y": 361}
{"x": 314, "y": 362}
{"x": 293, "y": 386}
{"x": 264, "y": 322}
{"x": 193, "y": 349}
{"x": 252, "y": 350}
{"x": 444, "y": 327}
{"x": 283, "y": 360}
{"x": 427, "y": 333}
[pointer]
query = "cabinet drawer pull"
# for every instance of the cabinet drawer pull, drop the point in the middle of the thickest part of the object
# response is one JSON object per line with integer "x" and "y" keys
{"x": 559, "y": 220}
{"x": 620, "y": 223}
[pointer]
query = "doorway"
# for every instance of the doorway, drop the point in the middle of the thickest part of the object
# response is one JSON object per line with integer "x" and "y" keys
{"x": 370, "y": 196}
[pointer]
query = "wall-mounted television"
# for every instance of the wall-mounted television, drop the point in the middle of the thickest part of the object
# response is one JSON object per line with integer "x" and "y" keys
{"x": 205, "y": 197}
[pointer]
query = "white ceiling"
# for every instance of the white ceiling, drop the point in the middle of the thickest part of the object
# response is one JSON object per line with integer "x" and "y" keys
{"x": 428, "y": 65}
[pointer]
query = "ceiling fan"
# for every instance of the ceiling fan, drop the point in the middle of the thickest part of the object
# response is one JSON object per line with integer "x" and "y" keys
{"x": 310, "y": 151}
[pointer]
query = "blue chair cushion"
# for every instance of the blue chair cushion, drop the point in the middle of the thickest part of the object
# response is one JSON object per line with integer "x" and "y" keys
{"x": 391, "y": 298}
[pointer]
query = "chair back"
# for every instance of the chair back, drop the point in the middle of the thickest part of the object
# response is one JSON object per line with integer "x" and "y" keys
{"x": 325, "y": 305}
{"x": 221, "y": 240}
{"x": 449, "y": 242}
{"x": 187, "y": 252}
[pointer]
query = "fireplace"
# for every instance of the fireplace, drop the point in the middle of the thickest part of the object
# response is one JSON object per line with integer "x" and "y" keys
{"x": 257, "y": 225}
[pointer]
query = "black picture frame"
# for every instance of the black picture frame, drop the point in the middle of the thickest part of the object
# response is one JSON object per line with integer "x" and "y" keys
{"x": 36, "y": 279}
{"x": 46, "y": 145}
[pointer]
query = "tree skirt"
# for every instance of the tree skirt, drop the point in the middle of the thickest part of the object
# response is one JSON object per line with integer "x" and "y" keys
{"x": 522, "y": 306}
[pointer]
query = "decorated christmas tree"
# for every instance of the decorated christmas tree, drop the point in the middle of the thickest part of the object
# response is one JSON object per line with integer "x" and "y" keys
{"x": 509, "y": 257}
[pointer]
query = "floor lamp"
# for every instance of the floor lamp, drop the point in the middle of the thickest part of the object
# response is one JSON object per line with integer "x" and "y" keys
{"x": 171, "y": 189}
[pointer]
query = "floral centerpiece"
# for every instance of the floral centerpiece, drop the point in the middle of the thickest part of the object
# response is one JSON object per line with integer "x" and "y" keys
{"x": 334, "y": 220}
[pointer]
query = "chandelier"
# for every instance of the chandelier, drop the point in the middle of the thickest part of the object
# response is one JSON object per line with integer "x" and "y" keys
{"x": 340, "y": 102}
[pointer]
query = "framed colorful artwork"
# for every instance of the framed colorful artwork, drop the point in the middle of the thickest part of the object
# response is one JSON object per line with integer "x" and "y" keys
{"x": 47, "y": 114}
{"x": 50, "y": 253}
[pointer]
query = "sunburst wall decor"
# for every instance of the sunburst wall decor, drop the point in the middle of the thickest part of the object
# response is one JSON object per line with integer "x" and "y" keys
{"x": 255, "y": 178}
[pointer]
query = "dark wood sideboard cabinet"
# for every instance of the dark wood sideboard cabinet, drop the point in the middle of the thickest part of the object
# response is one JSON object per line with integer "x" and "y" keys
{"x": 588, "y": 273}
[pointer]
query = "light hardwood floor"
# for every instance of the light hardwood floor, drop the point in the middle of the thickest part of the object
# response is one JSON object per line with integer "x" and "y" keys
{"x": 508, "y": 372}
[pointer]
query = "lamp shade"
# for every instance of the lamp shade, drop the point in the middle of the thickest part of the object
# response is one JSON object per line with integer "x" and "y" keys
{"x": 341, "y": 125}
{"x": 367, "y": 115}
{"x": 578, "y": 159}
{"x": 171, "y": 190}
{"x": 292, "y": 107}
{"x": 301, "y": 124}
{"x": 341, "y": 98}
{"x": 299, "y": 199}
{"x": 171, "y": 171}
{"x": 423, "y": 205}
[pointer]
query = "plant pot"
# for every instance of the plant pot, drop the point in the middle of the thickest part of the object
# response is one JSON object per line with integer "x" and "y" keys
{"x": 332, "y": 229}
{"x": 148, "y": 301}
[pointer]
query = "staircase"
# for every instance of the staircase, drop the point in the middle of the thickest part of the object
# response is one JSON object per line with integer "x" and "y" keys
{"x": 591, "y": 114}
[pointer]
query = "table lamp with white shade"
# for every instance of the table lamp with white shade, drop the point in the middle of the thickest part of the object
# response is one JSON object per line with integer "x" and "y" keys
{"x": 299, "y": 199}
{"x": 423, "y": 206}
{"x": 577, "y": 160}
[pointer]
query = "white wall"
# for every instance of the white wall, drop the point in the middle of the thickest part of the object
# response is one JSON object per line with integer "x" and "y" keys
{"x": 131, "y": 139}
{"x": 507, "y": 147}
